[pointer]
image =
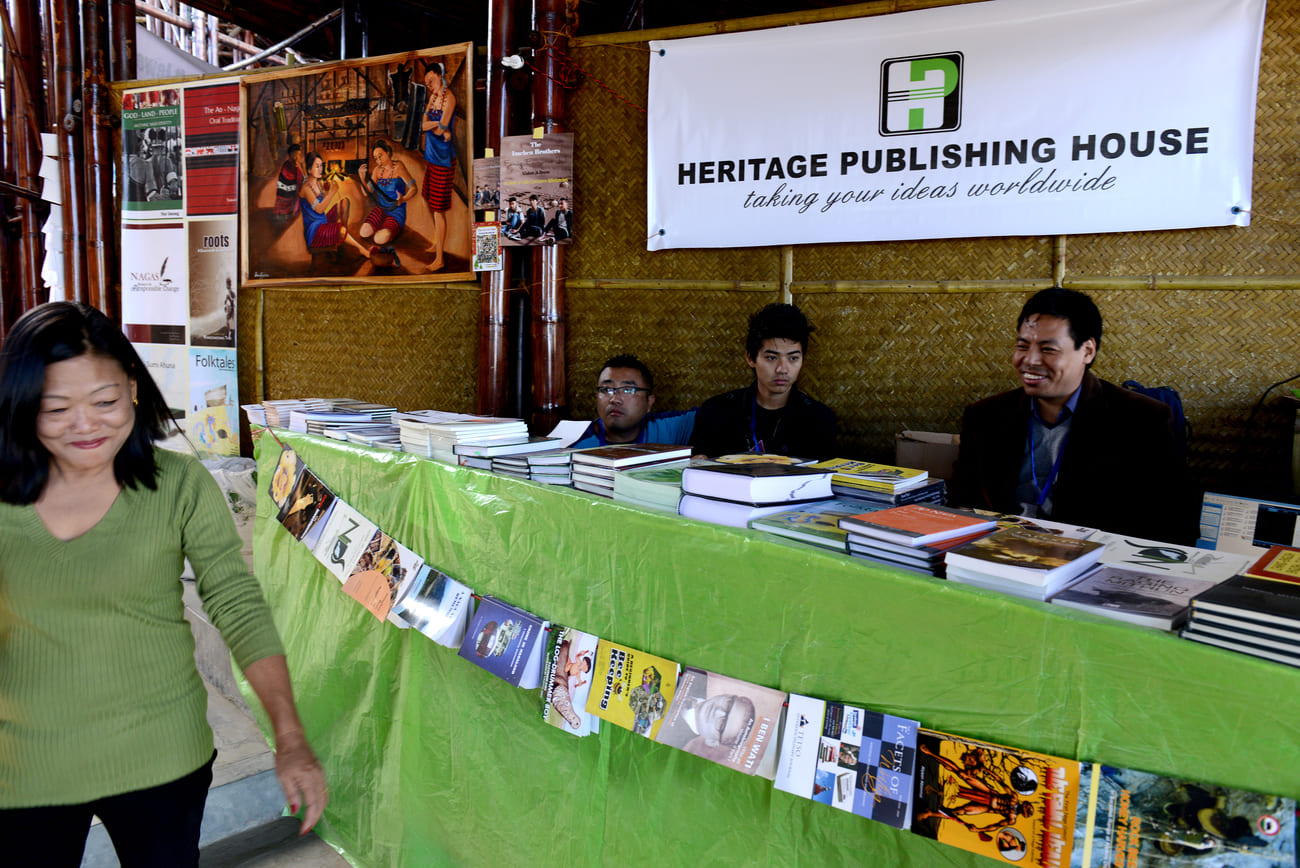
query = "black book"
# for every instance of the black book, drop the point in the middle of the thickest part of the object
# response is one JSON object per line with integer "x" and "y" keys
{"x": 758, "y": 483}
{"x": 1239, "y": 644}
{"x": 1258, "y": 599}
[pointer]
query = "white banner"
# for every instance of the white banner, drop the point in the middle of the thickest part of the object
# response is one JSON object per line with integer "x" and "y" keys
{"x": 1010, "y": 117}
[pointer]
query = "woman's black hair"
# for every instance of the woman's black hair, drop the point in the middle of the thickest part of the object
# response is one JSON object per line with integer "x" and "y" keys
{"x": 56, "y": 332}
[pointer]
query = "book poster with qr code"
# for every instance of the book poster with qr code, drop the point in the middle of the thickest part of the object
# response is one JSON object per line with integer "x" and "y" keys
{"x": 487, "y": 246}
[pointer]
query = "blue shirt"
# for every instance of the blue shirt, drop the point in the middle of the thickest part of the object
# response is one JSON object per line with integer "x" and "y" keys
{"x": 1043, "y": 447}
{"x": 673, "y": 428}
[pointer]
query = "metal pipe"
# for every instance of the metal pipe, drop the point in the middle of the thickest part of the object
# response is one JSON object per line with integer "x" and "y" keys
{"x": 285, "y": 43}
{"x": 68, "y": 109}
{"x": 101, "y": 235}
{"x": 493, "y": 365}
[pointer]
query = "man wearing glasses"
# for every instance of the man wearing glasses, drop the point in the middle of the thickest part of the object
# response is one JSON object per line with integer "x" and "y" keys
{"x": 625, "y": 393}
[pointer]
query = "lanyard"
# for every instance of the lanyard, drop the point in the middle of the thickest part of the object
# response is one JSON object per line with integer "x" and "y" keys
{"x": 1056, "y": 465}
{"x": 753, "y": 425}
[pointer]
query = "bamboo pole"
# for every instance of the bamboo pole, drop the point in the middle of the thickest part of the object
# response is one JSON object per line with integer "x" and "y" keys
{"x": 101, "y": 234}
{"x": 68, "y": 109}
{"x": 1091, "y": 283}
{"x": 492, "y": 367}
{"x": 121, "y": 25}
{"x": 548, "y": 286}
{"x": 29, "y": 117}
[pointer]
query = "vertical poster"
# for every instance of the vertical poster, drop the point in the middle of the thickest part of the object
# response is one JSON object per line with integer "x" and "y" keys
{"x": 536, "y": 189}
{"x": 179, "y": 254}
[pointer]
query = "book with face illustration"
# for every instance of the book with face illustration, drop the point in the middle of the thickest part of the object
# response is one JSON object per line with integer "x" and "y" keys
{"x": 731, "y": 722}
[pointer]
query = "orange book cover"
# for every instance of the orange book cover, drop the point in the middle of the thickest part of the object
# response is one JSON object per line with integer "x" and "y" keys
{"x": 1278, "y": 564}
{"x": 917, "y": 523}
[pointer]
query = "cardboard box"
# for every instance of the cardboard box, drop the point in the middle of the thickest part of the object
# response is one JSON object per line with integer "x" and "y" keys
{"x": 928, "y": 451}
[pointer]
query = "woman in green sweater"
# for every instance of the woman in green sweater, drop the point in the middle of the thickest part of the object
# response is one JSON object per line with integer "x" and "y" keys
{"x": 101, "y": 708}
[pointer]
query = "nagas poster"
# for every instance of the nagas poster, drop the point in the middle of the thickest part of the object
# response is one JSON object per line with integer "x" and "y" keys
{"x": 179, "y": 251}
{"x": 1009, "y": 117}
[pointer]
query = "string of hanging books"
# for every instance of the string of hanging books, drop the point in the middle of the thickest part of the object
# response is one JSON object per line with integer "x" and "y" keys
{"x": 1004, "y": 802}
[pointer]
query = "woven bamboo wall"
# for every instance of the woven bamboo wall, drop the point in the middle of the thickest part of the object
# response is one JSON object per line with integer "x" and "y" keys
{"x": 1210, "y": 312}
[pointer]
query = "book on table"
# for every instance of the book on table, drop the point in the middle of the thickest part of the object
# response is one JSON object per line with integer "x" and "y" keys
{"x": 1010, "y": 804}
{"x": 1132, "y": 818}
{"x": 506, "y": 641}
{"x": 1279, "y": 563}
{"x": 759, "y": 458}
{"x": 569, "y": 667}
{"x": 1239, "y": 643}
{"x": 917, "y": 524}
{"x": 1256, "y": 639}
{"x": 929, "y": 552}
{"x": 1264, "y": 600}
{"x": 630, "y": 454}
{"x": 383, "y": 572}
{"x": 1026, "y": 556}
{"x": 659, "y": 485}
{"x": 931, "y": 491}
{"x": 631, "y": 688}
{"x": 1133, "y": 596}
{"x": 851, "y": 758}
{"x": 552, "y": 457}
{"x": 729, "y": 513}
{"x": 1028, "y": 591}
{"x": 1167, "y": 559}
{"x": 532, "y": 444}
{"x": 868, "y": 475}
{"x": 725, "y": 720}
{"x": 814, "y": 523}
{"x": 758, "y": 483}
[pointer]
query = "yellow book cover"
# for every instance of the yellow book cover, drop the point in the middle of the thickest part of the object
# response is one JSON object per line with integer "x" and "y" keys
{"x": 631, "y": 688}
{"x": 872, "y": 476}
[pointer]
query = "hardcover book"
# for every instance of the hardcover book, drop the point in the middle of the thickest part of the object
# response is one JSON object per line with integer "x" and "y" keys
{"x": 1280, "y": 563}
{"x": 1133, "y": 596}
{"x": 725, "y": 720}
{"x": 917, "y": 524}
{"x": 1130, "y": 818}
{"x": 1027, "y": 556}
{"x": 436, "y": 605}
{"x": 1008, "y": 804}
{"x": 855, "y": 759}
{"x": 569, "y": 667}
{"x": 1257, "y": 599}
{"x": 506, "y": 641}
{"x": 758, "y": 484}
{"x": 1237, "y": 642}
{"x": 631, "y": 688}
{"x": 725, "y": 512}
{"x": 630, "y": 454}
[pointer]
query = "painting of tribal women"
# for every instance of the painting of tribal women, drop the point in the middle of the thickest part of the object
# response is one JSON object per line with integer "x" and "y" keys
{"x": 359, "y": 171}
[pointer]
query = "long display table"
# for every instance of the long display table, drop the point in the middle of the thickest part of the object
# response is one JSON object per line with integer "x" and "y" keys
{"x": 432, "y": 761}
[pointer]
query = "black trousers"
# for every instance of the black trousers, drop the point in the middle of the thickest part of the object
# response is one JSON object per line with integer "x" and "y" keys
{"x": 153, "y": 828}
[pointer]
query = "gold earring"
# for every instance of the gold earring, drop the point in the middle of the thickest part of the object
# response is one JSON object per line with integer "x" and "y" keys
{"x": 135, "y": 402}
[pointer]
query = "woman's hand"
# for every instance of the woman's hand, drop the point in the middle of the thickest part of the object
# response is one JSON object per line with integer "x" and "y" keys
{"x": 301, "y": 778}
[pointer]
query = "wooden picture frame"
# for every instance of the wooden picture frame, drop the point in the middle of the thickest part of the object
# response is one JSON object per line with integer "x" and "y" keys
{"x": 387, "y": 194}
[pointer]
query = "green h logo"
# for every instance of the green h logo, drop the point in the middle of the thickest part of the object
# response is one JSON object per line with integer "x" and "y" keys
{"x": 920, "y": 94}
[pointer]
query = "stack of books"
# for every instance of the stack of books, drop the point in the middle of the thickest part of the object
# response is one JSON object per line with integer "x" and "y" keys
{"x": 278, "y": 412}
{"x": 736, "y": 494}
{"x": 1257, "y": 613}
{"x": 427, "y": 435}
{"x": 914, "y": 536}
{"x": 594, "y": 469}
{"x": 657, "y": 487}
{"x": 883, "y": 484}
{"x": 816, "y": 524}
{"x": 551, "y": 468}
{"x": 1022, "y": 562}
{"x": 517, "y": 448}
{"x": 1147, "y": 582}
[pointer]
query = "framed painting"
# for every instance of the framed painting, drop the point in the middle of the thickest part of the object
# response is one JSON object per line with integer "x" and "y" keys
{"x": 359, "y": 171}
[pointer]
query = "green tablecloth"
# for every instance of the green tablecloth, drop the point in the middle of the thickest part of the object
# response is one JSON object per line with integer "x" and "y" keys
{"x": 432, "y": 761}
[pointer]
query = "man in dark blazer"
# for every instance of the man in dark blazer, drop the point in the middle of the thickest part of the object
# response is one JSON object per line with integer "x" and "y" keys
{"x": 1067, "y": 445}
